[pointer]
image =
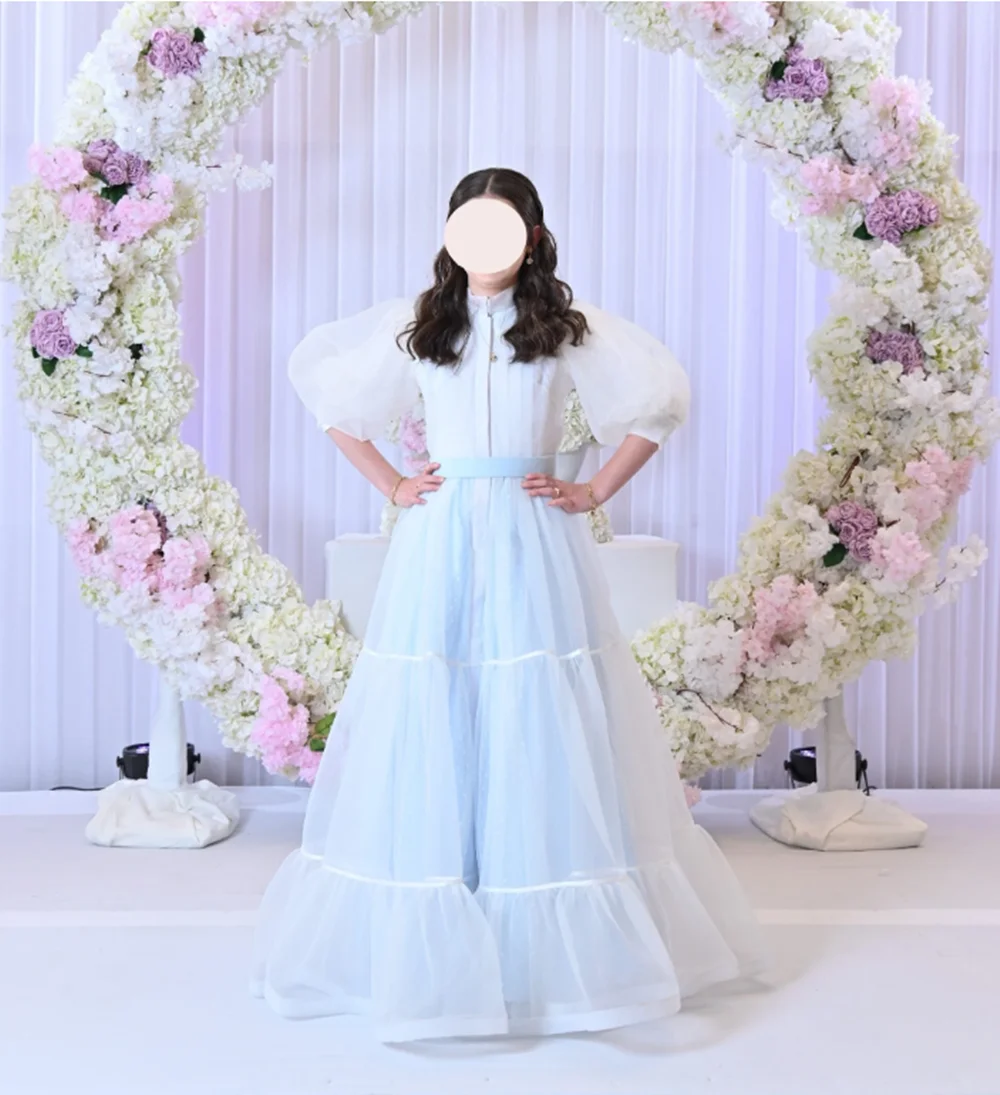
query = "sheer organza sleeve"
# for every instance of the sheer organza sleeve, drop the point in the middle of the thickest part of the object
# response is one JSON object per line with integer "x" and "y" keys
{"x": 351, "y": 375}
{"x": 627, "y": 380}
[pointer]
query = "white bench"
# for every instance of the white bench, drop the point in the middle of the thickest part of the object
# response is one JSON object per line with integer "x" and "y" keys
{"x": 641, "y": 573}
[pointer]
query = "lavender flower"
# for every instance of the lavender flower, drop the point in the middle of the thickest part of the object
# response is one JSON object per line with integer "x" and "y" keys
{"x": 174, "y": 53}
{"x": 115, "y": 169}
{"x": 803, "y": 78}
{"x": 896, "y": 346}
{"x": 856, "y": 526}
{"x": 50, "y": 335}
{"x": 136, "y": 168}
{"x": 891, "y": 216}
{"x": 97, "y": 154}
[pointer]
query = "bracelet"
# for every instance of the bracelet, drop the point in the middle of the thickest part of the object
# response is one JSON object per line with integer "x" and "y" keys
{"x": 593, "y": 498}
{"x": 395, "y": 487}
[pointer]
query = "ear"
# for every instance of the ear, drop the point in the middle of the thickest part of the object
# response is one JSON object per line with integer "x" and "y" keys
{"x": 536, "y": 235}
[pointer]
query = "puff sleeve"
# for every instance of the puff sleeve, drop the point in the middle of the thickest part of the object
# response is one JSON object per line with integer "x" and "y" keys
{"x": 351, "y": 375}
{"x": 627, "y": 380}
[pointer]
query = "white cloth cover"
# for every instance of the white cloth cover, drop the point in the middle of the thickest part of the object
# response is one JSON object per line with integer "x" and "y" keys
{"x": 352, "y": 375}
{"x": 497, "y": 840}
{"x": 837, "y": 821}
{"x": 133, "y": 814}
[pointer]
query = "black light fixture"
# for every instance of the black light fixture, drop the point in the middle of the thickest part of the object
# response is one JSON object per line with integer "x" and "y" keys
{"x": 134, "y": 761}
{"x": 801, "y": 767}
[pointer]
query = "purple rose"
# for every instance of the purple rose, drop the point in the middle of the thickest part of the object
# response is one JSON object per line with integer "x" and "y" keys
{"x": 880, "y": 219}
{"x": 115, "y": 169}
{"x": 50, "y": 336}
{"x": 856, "y": 526}
{"x": 136, "y": 169}
{"x": 174, "y": 53}
{"x": 891, "y": 216}
{"x": 803, "y": 78}
{"x": 909, "y": 210}
{"x": 896, "y": 346}
{"x": 97, "y": 153}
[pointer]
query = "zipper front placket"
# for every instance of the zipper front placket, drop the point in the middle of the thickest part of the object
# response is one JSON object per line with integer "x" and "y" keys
{"x": 489, "y": 383}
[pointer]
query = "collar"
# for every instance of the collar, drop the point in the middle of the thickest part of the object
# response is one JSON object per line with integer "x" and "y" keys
{"x": 499, "y": 302}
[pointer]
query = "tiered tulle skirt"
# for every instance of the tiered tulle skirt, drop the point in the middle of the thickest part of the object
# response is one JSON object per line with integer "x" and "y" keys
{"x": 498, "y": 841}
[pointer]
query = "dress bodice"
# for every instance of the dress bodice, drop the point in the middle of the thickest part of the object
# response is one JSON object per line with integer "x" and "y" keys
{"x": 355, "y": 374}
{"x": 487, "y": 404}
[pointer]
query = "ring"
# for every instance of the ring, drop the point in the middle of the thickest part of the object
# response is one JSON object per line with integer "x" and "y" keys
{"x": 556, "y": 491}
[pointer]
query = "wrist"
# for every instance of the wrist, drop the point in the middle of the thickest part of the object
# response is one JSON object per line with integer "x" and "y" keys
{"x": 594, "y": 494}
{"x": 394, "y": 487}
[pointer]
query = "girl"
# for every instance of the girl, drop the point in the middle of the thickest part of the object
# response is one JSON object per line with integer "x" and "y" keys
{"x": 497, "y": 840}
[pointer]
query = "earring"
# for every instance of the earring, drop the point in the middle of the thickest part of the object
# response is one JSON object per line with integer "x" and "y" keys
{"x": 529, "y": 260}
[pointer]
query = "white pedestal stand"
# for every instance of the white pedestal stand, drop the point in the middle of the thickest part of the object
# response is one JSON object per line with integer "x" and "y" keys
{"x": 832, "y": 815}
{"x": 164, "y": 810}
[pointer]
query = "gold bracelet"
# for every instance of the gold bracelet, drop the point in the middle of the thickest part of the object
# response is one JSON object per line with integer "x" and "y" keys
{"x": 593, "y": 498}
{"x": 395, "y": 487}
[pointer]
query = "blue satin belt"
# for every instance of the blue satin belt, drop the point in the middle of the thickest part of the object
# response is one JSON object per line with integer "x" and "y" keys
{"x": 494, "y": 467}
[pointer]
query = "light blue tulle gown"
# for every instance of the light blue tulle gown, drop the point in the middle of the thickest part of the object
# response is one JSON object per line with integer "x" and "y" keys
{"x": 499, "y": 841}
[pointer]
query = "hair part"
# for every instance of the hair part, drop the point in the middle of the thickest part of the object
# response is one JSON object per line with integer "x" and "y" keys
{"x": 545, "y": 315}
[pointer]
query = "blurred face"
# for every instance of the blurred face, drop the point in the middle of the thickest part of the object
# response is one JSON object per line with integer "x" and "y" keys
{"x": 488, "y": 239}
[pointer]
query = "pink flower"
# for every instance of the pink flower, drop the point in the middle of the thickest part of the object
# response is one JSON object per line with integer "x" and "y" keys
{"x": 58, "y": 169}
{"x": 719, "y": 16}
{"x": 961, "y": 478}
{"x": 281, "y": 728}
{"x": 228, "y": 14}
{"x": 781, "y": 612}
{"x": 308, "y": 762}
{"x": 939, "y": 483}
{"x": 132, "y": 218}
{"x": 900, "y": 554}
{"x": 82, "y": 542}
{"x": 132, "y": 556}
{"x": 898, "y": 104}
{"x": 182, "y": 576}
{"x": 84, "y": 206}
{"x": 161, "y": 185}
{"x": 833, "y": 184}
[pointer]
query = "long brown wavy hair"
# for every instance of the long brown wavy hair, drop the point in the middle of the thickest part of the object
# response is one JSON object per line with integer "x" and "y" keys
{"x": 545, "y": 316}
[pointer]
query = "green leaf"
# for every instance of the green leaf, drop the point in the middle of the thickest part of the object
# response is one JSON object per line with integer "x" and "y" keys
{"x": 48, "y": 365}
{"x": 84, "y": 351}
{"x": 324, "y": 724}
{"x": 199, "y": 34}
{"x": 778, "y": 69}
{"x": 835, "y": 555}
{"x": 317, "y": 745}
{"x": 135, "y": 350}
{"x": 34, "y": 352}
{"x": 862, "y": 233}
{"x": 115, "y": 194}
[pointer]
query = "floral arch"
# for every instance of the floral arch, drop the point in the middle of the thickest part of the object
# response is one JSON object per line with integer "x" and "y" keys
{"x": 832, "y": 575}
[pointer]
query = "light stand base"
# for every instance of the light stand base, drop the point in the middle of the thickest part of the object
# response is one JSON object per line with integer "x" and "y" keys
{"x": 133, "y": 813}
{"x": 837, "y": 821}
{"x": 164, "y": 811}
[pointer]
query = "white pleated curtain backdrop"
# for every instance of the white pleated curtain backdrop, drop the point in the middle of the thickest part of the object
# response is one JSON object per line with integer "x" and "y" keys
{"x": 653, "y": 221}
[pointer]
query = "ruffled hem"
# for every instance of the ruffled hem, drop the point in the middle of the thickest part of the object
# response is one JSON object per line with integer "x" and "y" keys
{"x": 434, "y": 959}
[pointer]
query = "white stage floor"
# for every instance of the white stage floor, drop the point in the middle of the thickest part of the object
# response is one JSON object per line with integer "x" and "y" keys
{"x": 125, "y": 971}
